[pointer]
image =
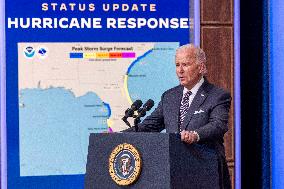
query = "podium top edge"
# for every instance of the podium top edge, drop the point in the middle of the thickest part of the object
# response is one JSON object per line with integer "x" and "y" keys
{"x": 137, "y": 133}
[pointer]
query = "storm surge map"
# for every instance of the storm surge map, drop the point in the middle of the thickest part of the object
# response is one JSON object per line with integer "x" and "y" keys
{"x": 69, "y": 90}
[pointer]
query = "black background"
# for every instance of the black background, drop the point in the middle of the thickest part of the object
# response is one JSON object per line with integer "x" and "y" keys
{"x": 254, "y": 95}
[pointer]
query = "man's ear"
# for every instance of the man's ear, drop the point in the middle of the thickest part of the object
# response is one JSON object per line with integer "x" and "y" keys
{"x": 202, "y": 69}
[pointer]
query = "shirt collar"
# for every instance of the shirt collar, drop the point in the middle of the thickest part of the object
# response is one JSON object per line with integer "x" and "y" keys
{"x": 195, "y": 88}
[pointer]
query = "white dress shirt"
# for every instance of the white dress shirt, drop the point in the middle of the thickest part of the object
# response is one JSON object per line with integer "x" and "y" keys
{"x": 193, "y": 90}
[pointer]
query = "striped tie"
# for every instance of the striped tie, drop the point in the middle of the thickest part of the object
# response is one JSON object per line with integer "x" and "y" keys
{"x": 183, "y": 108}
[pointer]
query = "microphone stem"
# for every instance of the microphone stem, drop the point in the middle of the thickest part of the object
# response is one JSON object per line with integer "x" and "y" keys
{"x": 126, "y": 122}
{"x": 136, "y": 122}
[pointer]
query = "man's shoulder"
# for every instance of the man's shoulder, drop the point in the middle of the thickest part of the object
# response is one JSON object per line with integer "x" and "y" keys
{"x": 218, "y": 91}
{"x": 174, "y": 90}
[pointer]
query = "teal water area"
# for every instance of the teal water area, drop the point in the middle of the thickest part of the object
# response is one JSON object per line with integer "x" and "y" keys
{"x": 54, "y": 130}
{"x": 153, "y": 74}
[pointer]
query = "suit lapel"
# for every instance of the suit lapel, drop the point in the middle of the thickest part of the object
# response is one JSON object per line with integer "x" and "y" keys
{"x": 198, "y": 100}
{"x": 176, "y": 104}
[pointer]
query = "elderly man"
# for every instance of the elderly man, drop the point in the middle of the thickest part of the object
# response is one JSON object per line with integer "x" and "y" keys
{"x": 196, "y": 108}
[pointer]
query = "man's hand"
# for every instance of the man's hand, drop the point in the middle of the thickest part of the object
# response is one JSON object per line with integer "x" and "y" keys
{"x": 188, "y": 136}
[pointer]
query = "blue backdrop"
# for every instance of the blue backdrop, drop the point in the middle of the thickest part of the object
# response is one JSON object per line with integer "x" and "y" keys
{"x": 32, "y": 9}
{"x": 276, "y": 45}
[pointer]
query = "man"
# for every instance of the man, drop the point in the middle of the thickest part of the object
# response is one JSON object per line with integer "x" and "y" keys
{"x": 195, "y": 108}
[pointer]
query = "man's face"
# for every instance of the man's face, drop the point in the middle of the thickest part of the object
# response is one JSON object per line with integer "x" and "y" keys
{"x": 187, "y": 70}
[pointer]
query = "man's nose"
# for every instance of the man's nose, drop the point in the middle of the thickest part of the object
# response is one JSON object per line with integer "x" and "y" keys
{"x": 180, "y": 69}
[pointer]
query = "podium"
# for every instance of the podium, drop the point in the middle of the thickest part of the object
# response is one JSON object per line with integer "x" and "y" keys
{"x": 167, "y": 162}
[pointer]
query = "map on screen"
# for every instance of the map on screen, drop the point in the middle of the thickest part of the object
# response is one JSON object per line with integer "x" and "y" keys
{"x": 69, "y": 90}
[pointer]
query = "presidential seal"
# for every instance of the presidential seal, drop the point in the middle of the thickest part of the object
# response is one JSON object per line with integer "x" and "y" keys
{"x": 125, "y": 164}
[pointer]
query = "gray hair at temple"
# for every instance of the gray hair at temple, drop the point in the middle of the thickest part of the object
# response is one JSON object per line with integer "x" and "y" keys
{"x": 198, "y": 52}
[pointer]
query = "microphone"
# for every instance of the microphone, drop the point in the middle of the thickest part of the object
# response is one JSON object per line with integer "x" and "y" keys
{"x": 146, "y": 107}
{"x": 142, "y": 112}
{"x": 130, "y": 111}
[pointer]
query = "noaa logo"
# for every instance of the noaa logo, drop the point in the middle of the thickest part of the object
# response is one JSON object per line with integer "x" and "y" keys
{"x": 29, "y": 51}
{"x": 125, "y": 164}
{"x": 42, "y": 52}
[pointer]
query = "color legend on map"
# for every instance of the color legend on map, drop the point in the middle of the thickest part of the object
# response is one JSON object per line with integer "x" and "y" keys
{"x": 103, "y": 55}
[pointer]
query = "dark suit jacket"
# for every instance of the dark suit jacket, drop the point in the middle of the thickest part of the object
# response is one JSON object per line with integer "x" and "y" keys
{"x": 208, "y": 115}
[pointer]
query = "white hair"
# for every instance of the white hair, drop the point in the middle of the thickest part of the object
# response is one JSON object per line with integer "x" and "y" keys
{"x": 198, "y": 52}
